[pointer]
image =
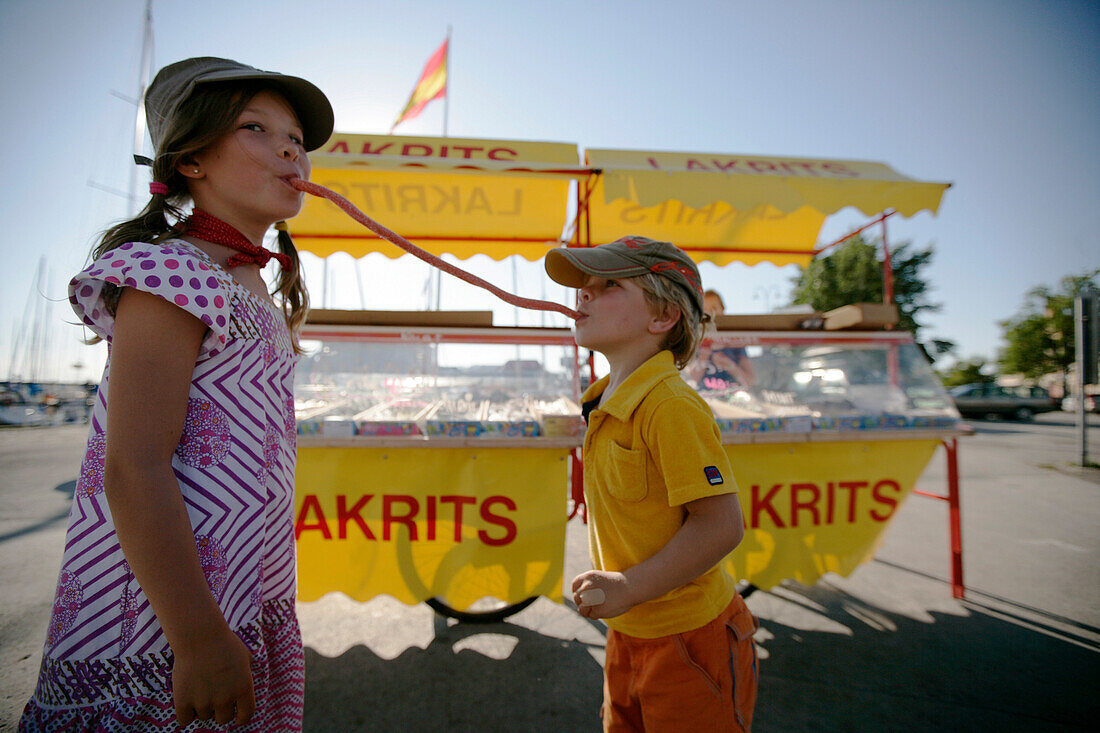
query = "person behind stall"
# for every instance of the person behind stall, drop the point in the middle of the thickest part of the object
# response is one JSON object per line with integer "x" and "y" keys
{"x": 721, "y": 367}
{"x": 662, "y": 504}
{"x": 175, "y": 600}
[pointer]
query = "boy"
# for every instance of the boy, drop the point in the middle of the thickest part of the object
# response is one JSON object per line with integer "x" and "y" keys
{"x": 662, "y": 505}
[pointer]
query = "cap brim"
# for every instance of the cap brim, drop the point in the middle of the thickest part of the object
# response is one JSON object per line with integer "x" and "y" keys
{"x": 309, "y": 102}
{"x": 572, "y": 266}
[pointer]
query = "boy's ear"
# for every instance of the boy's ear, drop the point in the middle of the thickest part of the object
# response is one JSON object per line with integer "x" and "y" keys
{"x": 663, "y": 321}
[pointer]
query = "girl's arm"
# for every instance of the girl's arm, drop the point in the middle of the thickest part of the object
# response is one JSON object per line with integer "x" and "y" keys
{"x": 711, "y": 530}
{"x": 747, "y": 375}
{"x": 153, "y": 355}
{"x": 740, "y": 368}
{"x": 693, "y": 372}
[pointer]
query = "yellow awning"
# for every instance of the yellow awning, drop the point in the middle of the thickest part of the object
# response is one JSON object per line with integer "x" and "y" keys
{"x": 455, "y": 195}
{"x": 725, "y": 208}
{"x": 502, "y": 197}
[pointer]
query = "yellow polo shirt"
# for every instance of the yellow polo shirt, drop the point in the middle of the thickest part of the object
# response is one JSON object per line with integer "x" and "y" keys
{"x": 651, "y": 447}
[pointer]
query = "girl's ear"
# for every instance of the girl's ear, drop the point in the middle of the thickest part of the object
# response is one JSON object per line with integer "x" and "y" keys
{"x": 189, "y": 168}
{"x": 663, "y": 321}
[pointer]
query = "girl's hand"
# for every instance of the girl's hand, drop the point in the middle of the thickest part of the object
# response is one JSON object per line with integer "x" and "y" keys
{"x": 723, "y": 362}
{"x": 214, "y": 680}
{"x": 617, "y": 598}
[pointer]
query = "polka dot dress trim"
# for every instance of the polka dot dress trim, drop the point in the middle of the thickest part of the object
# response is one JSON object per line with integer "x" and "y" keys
{"x": 155, "y": 268}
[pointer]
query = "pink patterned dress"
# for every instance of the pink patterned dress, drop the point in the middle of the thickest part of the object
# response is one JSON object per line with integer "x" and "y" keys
{"x": 106, "y": 664}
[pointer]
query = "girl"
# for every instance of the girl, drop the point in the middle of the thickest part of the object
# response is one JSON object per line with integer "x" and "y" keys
{"x": 175, "y": 602}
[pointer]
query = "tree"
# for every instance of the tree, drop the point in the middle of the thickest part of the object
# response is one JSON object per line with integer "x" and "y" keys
{"x": 967, "y": 372}
{"x": 853, "y": 274}
{"x": 1039, "y": 339}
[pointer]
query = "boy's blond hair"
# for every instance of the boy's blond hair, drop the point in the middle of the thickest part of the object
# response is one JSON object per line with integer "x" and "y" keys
{"x": 665, "y": 273}
{"x": 683, "y": 338}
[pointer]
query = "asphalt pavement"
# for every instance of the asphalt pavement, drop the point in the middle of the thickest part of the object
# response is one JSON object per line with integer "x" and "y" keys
{"x": 886, "y": 649}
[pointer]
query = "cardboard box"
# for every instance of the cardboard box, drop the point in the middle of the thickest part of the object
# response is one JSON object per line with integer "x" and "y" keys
{"x": 562, "y": 426}
{"x": 766, "y": 321}
{"x": 861, "y": 316}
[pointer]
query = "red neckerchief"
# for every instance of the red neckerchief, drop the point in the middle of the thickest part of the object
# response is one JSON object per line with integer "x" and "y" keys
{"x": 212, "y": 229}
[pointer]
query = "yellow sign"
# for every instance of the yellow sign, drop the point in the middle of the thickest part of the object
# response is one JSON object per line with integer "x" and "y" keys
{"x": 813, "y": 508}
{"x": 466, "y": 523}
{"x": 454, "y": 195}
{"x": 457, "y": 523}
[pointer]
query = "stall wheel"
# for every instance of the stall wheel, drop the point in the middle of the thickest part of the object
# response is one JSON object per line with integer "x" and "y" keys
{"x": 473, "y": 615}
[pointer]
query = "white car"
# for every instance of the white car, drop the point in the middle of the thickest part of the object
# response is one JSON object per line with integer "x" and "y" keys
{"x": 1069, "y": 404}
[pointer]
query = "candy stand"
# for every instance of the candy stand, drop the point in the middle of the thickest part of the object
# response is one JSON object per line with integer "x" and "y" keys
{"x": 438, "y": 453}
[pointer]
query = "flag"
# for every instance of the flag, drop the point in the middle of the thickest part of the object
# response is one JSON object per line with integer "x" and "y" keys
{"x": 431, "y": 85}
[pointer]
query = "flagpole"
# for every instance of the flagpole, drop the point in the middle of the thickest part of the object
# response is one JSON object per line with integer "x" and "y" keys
{"x": 446, "y": 109}
{"x": 430, "y": 86}
{"x": 447, "y": 96}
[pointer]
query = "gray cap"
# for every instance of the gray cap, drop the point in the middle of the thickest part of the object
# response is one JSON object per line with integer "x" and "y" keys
{"x": 176, "y": 82}
{"x": 625, "y": 257}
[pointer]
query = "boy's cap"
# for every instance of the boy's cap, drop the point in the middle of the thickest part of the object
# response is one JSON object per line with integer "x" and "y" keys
{"x": 176, "y": 82}
{"x": 625, "y": 257}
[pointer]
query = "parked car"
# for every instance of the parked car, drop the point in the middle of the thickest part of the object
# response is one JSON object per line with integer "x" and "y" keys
{"x": 1018, "y": 403}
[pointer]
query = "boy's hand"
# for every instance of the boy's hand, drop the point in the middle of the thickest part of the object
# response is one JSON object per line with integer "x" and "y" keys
{"x": 602, "y": 595}
{"x": 214, "y": 680}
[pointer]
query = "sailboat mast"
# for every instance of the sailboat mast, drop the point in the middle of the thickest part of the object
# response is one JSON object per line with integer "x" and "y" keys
{"x": 35, "y": 348}
{"x": 22, "y": 351}
{"x": 144, "y": 74}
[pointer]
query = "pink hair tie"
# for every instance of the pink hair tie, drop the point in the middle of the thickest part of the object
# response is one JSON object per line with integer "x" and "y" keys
{"x": 156, "y": 187}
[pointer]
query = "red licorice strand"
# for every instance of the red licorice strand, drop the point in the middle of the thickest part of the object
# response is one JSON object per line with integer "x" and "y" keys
{"x": 349, "y": 208}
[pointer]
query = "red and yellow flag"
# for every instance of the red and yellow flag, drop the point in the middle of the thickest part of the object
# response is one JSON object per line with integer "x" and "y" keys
{"x": 431, "y": 85}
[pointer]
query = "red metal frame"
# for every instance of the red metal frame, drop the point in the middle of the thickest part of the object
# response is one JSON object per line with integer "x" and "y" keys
{"x": 954, "y": 523}
{"x": 529, "y": 337}
{"x": 881, "y": 217}
{"x": 424, "y": 238}
{"x": 581, "y": 237}
{"x": 582, "y": 211}
{"x": 576, "y": 485}
{"x": 887, "y": 269}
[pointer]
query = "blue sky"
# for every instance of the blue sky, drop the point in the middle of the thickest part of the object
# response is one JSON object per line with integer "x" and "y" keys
{"x": 1002, "y": 99}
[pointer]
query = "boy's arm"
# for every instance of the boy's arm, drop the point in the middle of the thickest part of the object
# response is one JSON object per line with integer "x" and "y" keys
{"x": 711, "y": 530}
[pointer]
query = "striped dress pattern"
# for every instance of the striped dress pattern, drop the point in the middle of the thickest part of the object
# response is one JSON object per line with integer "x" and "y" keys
{"x": 106, "y": 663}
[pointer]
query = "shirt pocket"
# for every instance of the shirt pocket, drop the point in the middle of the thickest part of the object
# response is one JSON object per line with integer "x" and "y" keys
{"x": 626, "y": 473}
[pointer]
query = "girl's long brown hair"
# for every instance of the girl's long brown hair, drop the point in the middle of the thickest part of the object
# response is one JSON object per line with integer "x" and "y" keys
{"x": 209, "y": 113}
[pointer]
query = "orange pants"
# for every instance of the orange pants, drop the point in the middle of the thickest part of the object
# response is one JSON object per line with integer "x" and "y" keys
{"x": 701, "y": 680}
